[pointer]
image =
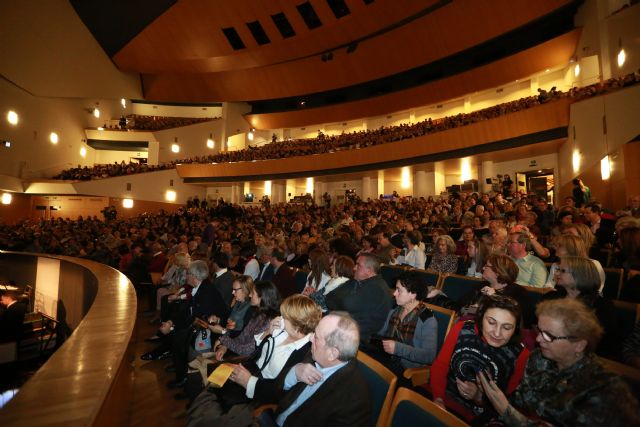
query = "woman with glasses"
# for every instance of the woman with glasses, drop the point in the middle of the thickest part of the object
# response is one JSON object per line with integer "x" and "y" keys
{"x": 578, "y": 278}
{"x": 284, "y": 344}
{"x": 564, "y": 383}
{"x": 501, "y": 272}
{"x": 265, "y": 306}
{"x": 570, "y": 245}
{"x": 490, "y": 343}
{"x": 240, "y": 313}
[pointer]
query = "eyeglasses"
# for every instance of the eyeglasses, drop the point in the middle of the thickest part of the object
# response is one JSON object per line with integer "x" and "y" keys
{"x": 234, "y": 290}
{"x": 562, "y": 270}
{"x": 547, "y": 337}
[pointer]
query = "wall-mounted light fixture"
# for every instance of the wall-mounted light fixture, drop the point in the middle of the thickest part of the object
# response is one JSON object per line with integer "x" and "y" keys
{"x": 127, "y": 203}
{"x": 53, "y": 137}
{"x": 210, "y": 142}
{"x": 170, "y": 196}
{"x": 6, "y": 198}
{"x": 605, "y": 168}
{"x": 12, "y": 117}
{"x": 175, "y": 147}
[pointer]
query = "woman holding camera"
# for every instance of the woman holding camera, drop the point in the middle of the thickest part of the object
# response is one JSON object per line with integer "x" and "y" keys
{"x": 489, "y": 344}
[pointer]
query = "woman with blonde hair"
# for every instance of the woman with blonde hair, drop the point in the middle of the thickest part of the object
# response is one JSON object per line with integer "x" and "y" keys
{"x": 283, "y": 345}
{"x": 571, "y": 245}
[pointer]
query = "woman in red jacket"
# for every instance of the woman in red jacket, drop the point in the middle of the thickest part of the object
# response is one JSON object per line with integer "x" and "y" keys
{"x": 489, "y": 344}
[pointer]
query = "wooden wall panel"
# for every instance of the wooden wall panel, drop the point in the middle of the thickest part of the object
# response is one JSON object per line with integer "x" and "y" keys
{"x": 537, "y": 119}
{"x": 293, "y": 67}
{"x": 142, "y": 206}
{"x": 17, "y": 210}
{"x": 547, "y": 55}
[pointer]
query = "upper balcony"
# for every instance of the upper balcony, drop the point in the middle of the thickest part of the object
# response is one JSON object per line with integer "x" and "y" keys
{"x": 538, "y": 124}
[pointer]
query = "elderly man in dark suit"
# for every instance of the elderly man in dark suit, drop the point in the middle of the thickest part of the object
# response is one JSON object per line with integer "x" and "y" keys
{"x": 331, "y": 390}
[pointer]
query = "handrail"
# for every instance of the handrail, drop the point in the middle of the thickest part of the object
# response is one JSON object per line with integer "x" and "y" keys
{"x": 86, "y": 381}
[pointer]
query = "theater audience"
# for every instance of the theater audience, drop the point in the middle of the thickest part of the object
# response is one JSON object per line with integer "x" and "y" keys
{"x": 346, "y": 141}
{"x": 564, "y": 383}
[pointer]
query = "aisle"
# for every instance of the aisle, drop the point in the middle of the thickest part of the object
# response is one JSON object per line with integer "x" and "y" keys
{"x": 152, "y": 402}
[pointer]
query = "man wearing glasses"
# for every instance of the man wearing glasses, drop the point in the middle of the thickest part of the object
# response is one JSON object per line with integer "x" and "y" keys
{"x": 532, "y": 271}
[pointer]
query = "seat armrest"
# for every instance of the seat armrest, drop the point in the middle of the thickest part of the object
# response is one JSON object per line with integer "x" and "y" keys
{"x": 418, "y": 376}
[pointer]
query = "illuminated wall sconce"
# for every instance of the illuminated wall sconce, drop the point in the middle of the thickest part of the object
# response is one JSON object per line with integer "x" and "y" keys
{"x": 465, "y": 170}
{"x": 96, "y": 112}
{"x": 170, "y": 196}
{"x": 175, "y": 147}
{"x": 123, "y": 102}
{"x": 405, "y": 180}
{"x": 210, "y": 143}
{"x": 250, "y": 135}
{"x": 127, "y": 203}
{"x": 83, "y": 152}
{"x": 309, "y": 186}
{"x": 576, "y": 70}
{"x": 267, "y": 188}
{"x": 622, "y": 57}
{"x": 575, "y": 160}
{"x": 6, "y": 198}
{"x": 605, "y": 168}
{"x": 12, "y": 117}
{"x": 53, "y": 137}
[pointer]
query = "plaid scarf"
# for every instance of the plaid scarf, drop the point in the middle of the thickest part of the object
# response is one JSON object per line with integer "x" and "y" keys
{"x": 404, "y": 329}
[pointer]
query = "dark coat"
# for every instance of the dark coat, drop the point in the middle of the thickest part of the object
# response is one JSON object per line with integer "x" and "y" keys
{"x": 343, "y": 400}
{"x": 11, "y": 321}
{"x": 285, "y": 281}
{"x": 368, "y": 301}
{"x": 224, "y": 285}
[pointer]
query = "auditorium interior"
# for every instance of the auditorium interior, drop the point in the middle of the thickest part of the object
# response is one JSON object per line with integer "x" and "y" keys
{"x": 149, "y": 105}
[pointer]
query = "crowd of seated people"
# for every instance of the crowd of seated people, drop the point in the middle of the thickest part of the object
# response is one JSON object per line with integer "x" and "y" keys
{"x": 101, "y": 171}
{"x": 223, "y": 269}
{"x": 361, "y": 139}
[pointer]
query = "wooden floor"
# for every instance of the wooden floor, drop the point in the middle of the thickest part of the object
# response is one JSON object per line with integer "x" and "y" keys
{"x": 152, "y": 403}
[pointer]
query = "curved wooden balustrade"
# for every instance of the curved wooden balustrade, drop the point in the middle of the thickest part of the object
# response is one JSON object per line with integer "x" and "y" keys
{"x": 541, "y": 123}
{"x": 87, "y": 380}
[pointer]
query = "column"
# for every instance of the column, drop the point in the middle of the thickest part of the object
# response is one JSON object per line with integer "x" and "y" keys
{"x": 278, "y": 194}
{"x": 485, "y": 172}
{"x": 319, "y": 188}
{"x": 290, "y": 189}
{"x": 438, "y": 179}
{"x": 236, "y": 192}
{"x": 380, "y": 187}
{"x": 420, "y": 188}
